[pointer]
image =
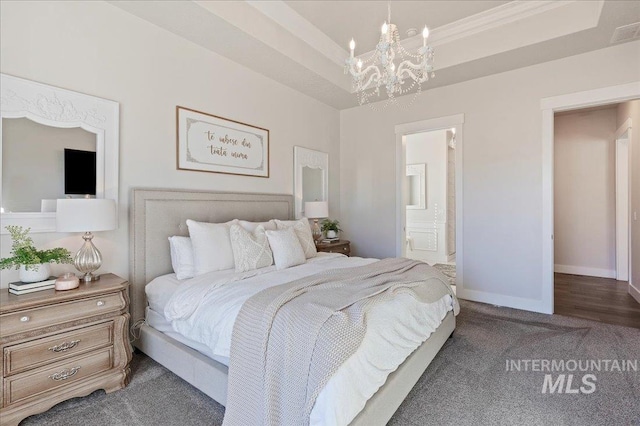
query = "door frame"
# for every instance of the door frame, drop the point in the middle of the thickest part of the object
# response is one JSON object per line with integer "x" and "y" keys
{"x": 549, "y": 106}
{"x": 623, "y": 222}
{"x": 402, "y": 130}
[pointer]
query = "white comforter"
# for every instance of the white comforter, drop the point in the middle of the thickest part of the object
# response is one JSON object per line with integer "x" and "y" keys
{"x": 204, "y": 309}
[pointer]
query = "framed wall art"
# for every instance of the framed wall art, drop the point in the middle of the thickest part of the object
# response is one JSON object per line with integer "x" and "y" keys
{"x": 208, "y": 143}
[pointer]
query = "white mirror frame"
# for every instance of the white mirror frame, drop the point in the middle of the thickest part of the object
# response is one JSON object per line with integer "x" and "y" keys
{"x": 56, "y": 107}
{"x": 419, "y": 170}
{"x": 304, "y": 157}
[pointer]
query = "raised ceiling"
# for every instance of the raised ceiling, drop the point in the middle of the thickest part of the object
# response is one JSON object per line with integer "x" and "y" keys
{"x": 304, "y": 44}
{"x": 342, "y": 20}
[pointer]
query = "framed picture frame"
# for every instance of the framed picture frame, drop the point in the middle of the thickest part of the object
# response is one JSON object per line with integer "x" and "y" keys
{"x": 209, "y": 143}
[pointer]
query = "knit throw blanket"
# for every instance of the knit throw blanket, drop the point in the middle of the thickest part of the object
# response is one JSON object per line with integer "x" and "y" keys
{"x": 290, "y": 339}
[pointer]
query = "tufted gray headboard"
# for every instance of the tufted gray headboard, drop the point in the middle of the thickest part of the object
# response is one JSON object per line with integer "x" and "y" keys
{"x": 157, "y": 214}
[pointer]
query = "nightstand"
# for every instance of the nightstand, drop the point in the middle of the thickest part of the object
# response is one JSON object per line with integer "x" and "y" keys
{"x": 340, "y": 246}
{"x": 58, "y": 345}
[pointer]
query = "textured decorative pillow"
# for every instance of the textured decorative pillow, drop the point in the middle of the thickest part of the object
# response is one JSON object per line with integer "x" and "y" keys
{"x": 286, "y": 248}
{"x": 251, "y": 226}
{"x": 303, "y": 231}
{"x": 211, "y": 246}
{"x": 250, "y": 250}
{"x": 181, "y": 257}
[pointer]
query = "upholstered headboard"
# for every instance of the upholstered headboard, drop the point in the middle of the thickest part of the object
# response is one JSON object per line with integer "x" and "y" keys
{"x": 157, "y": 214}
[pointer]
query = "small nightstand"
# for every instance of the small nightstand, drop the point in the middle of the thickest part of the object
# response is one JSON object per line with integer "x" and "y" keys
{"x": 340, "y": 246}
{"x": 58, "y": 345}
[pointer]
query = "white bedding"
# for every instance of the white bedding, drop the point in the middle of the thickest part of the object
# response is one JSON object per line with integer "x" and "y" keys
{"x": 204, "y": 310}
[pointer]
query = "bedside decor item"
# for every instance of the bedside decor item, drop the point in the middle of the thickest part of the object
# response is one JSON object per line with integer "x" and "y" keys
{"x": 33, "y": 263}
{"x": 316, "y": 210}
{"x": 86, "y": 215}
{"x": 67, "y": 281}
{"x": 208, "y": 143}
{"x": 369, "y": 76}
{"x": 20, "y": 287}
{"x": 331, "y": 228}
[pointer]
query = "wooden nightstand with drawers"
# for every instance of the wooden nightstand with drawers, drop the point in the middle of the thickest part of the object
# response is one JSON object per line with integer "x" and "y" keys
{"x": 340, "y": 246}
{"x": 58, "y": 345}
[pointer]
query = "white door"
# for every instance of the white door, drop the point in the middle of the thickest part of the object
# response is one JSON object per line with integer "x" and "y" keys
{"x": 622, "y": 207}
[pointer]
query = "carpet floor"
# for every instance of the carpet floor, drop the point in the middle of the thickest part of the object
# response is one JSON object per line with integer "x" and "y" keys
{"x": 467, "y": 383}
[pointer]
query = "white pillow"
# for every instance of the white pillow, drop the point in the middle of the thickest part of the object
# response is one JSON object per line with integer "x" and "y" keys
{"x": 251, "y": 226}
{"x": 286, "y": 248}
{"x": 181, "y": 257}
{"x": 211, "y": 246}
{"x": 303, "y": 231}
{"x": 250, "y": 250}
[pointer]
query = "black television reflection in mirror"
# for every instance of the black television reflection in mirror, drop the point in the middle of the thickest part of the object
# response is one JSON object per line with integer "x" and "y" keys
{"x": 79, "y": 172}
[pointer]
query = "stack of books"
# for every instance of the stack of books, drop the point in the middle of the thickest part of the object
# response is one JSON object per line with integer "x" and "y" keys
{"x": 19, "y": 287}
{"x": 331, "y": 240}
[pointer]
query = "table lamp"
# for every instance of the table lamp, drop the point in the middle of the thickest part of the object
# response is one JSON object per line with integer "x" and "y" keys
{"x": 316, "y": 210}
{"x": 86, "y": 215}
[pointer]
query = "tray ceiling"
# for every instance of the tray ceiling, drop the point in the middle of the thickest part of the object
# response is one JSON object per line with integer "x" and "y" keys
{"x": 304, "y": 44}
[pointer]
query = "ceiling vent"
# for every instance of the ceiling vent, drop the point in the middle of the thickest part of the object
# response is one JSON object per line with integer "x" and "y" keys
{"x": 626, "y": 33}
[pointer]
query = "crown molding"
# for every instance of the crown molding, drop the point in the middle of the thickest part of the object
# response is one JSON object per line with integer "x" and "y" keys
{"x": 279, "y": 12}
{"x": 495, "y": 18}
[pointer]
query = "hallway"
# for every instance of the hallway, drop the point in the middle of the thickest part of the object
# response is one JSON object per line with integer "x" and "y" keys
{"x": 598, "y": 299}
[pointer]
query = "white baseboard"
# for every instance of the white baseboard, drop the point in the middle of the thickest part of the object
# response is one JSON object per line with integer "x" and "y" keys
{"x": 634, "y": 292}
{"x": 581, "y": 270}
{"x": 533, "y": 305}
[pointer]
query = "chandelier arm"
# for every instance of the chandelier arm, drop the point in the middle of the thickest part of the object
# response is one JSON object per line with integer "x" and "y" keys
{"x": 373, "y": 78}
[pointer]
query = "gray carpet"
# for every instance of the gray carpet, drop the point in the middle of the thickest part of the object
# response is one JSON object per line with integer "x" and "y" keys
{"x": 465, "y": 385}
{"x": 448, "y": 270}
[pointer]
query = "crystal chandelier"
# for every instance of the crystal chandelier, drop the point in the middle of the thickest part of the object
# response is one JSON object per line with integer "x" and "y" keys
{"x": 412, "y": 69}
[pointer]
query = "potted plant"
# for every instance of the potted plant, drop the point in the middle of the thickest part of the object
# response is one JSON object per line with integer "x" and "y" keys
{"x": 331, "y": 228}
{"x": 33, "y": 264}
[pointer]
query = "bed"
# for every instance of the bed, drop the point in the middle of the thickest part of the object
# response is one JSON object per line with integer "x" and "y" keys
{"x": 157, "y": 214}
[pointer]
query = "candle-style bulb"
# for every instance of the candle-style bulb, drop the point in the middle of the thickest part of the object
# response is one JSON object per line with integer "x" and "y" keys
{"x": 359, "y": 64}
{"x": 385, "y": 27}
{"x": 352, "y": 44}
{"x": 425, "y": 32}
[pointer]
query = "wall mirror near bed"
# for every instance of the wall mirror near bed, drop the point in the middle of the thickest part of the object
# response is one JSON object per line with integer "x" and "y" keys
{"x": 62, "y": 143}
{"x": 311, "y": 183}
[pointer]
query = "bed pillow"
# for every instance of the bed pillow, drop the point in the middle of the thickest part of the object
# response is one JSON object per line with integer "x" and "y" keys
{"x": 250, "y": 249}
{"x": 181, "y": 257}
{"x": 251, "y": 226}
{"x": 286, "y": 248}
{"x": 303, "y": 232}
{"x": 211, "y": 246}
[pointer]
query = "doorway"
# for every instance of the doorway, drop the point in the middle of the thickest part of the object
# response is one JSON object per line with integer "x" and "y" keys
{"x": 591, "y": 216}
{"x": 623, "y": 94}
{"x": 429, "y": 194}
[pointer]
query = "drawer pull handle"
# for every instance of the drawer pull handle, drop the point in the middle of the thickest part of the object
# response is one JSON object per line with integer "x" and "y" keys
{"x": 65, "y": 346}
{"x": 100, "y": 303}
{"x": 24, "y": 319}
{"x": 64, "y": 374}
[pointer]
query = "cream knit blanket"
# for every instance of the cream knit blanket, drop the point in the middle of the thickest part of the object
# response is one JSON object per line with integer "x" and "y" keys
{"x": 290, "y": 339}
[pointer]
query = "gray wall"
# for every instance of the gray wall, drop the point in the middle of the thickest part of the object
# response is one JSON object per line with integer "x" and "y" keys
{"x": 502, "y": 166}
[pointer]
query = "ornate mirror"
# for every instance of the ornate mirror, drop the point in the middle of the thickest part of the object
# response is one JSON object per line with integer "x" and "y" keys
{"x": 55, "y": 143}
{"x": 311, "y": 182}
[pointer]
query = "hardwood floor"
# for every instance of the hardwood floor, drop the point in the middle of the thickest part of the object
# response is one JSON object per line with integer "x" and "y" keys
{"x": 598, "y": 299}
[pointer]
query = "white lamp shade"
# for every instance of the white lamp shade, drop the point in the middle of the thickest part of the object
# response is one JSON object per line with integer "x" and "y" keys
{"x": 85, "y": 215}
{"x": 316, "y": 209}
